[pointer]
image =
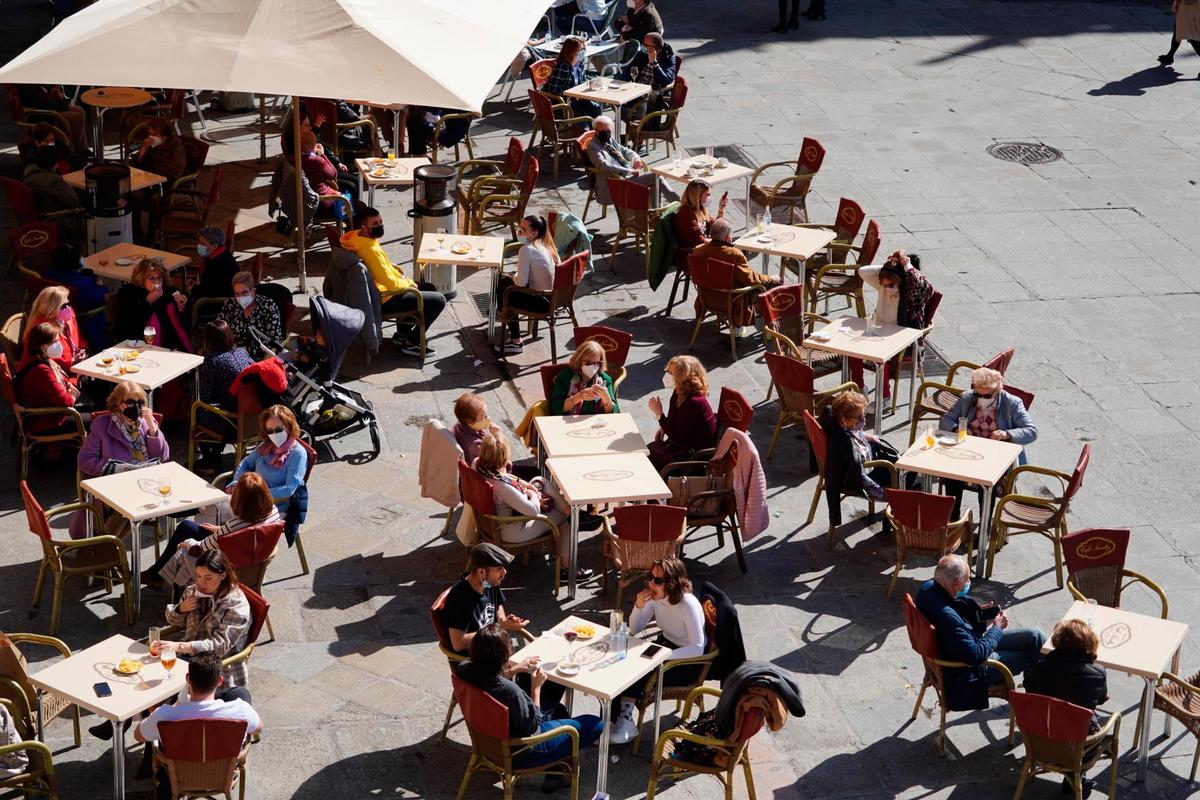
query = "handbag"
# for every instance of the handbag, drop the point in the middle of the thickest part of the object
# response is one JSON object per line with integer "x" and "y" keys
{"x": 685, "y": 487}
{"x": 883, "y": 451}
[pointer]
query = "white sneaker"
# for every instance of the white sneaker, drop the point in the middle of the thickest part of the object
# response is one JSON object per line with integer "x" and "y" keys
{"x": 743, "y": 331}
{"x": 625, "y": 730}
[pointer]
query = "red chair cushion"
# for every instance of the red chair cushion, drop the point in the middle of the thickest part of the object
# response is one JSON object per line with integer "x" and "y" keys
{"x": 1050, "y": 717}
{"x": 921, "y": 634}
{"x": 647, "y": 523}
{"x": 920, "y": 510}
{"x": 484, "y": 714}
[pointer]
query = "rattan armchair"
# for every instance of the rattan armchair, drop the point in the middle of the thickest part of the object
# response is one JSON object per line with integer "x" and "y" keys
{"x": 791, "y": 192}
{"x": 440, "y": 125}
{"x": 842, "y": 279}
{"x": 1057, "y": 741}
{"x": 786, "y": 325}
{"x": 202, "y": 757}
{"x": 37, "y": 777}
{"x": 643, "y": 534}
{"x": 558, "y": 132}
{"x": 661, "y": 125}
{"x": 935, "y": 398}
{"x": 717, "y": 296}
{"x": 16, "y": 689}
{"x": 70, "y": 434}
{"x": 1095, "y": 560}
{"x": 714, "y": 507}
{"x": 636, "y": 215}
{"x": 470, "y": 190}
{"x": 797, "y": 392}
{"x": 559, "y": 300}
{"x": 501, "y": 201}
{"x": 1178, "y": 698}
{"x": 922, "y": 523}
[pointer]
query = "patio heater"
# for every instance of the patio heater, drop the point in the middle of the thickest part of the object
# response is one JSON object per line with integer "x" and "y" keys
{"x": 434, "y": 207}
{"x": 108, "y": 220}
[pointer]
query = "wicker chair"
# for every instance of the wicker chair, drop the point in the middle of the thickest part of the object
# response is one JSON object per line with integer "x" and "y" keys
{"x": 471, "y": 191}
{"x": 790, "y": 193}
{"x": 934, "y": 398}
{"x": 31, "y": 239}
{"x": 492, "y": 748}
{"x": 923, "y": 638}
{"x": 636, "y": 217}
{"x": 443, "y": 637}
{"x": 1178, "y": 698}
{"x": 732, "y": 752}
{"x": 643, "y": 534}
{"x": 215, "y": 426}
{"x": 16, "y": 689}
{"x": 558, "y": 133}
{"x": 716, "y": 295}
{"x": 560, "y": 299}
{"x": 616, "y": 344}
{"x": 1096, "y": 567}
{"x": 786, "y": 323}
{"x": 797, "y": 393}
{"x": 37, "y": 777}
{"x": 1056, "y": 739}
{"x": 845, "y": 227}
{"x": 250, "y": 551}
{"x": 440, "y": 125}
{"x": 922, "y": 523}
{"x": 504, "y": 204}
{"x": 662, "y": 125}
{"x": 1022, "y": 513}
{"x": 189, "y": 210}
{"x": 203, "y": 757}
{"x": 714, "y": 506}
{"x": 842, "y": 279}
{"x": 95, "y": 557}
{"x": 260, "y": 612}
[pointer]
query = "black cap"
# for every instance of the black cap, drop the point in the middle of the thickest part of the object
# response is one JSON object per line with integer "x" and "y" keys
{"x": 489, "y": 555}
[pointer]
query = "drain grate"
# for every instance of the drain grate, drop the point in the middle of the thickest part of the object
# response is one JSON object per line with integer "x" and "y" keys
{"x": 483, "y": 302}
{"x": 1024, "y": 152}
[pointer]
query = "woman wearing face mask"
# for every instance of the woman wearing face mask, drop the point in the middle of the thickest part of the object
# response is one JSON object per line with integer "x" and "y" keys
{"x": 217, "y": 265}
{"x": 53, "y": 305}
{"x": 692, "y": 220}
{"x": 281, "y": 460}
{"x": 584, "y": 387}
{"x": 903, "y": 294}
{"x": 246, "y": 308}
{"x": 991, "y": 413}
{"x": 162, "y": 153}
{"x": 568, "y": 73}
{"x": 41, "y": 382}
{"x": 849, "y": 451}
{"x": 535, "y": 270}
{"x": 127, "y": 437}
{"x": 689, "y": 423}
{"x": 148, "y": 300}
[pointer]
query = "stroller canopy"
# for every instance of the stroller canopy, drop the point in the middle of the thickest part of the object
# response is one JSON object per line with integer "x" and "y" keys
{"x": 339, "y": 325}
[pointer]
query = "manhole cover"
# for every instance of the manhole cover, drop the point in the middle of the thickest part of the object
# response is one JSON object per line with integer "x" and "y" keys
{"x": 1024, "y": 152}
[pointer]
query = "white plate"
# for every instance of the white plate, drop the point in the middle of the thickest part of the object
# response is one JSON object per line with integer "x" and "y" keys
{"x": 124, "y": 262}
{"x": 764, "y": 239}
{"x": 135, "y": 343}
{"x": 947, "y": 440}
{"x": 568, "y": 669}
{"x": 821, "y": 337}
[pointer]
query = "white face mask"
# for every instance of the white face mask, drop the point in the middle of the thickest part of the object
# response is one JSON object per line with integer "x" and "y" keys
{"x": 631, "y": 3}
{"x": 668, "y": 380}
{"x": 589, "y": 370}
{"x": 891, "y": 291}
{"x": 985, "y": 402}
{"x": 278, "y": 438}
{"x": 245, "y": 300}
{"x": 55, "y": 350}
{"x": 155, "y": 141}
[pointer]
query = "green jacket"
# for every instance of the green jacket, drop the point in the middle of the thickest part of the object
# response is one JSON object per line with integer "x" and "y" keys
{"x": 662, "y": 247}
{"x": 50, "y": 191}
{"x": 562, "y": 389}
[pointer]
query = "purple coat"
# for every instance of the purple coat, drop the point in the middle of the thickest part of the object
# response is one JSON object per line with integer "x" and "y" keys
{"x": 106, "y": 442}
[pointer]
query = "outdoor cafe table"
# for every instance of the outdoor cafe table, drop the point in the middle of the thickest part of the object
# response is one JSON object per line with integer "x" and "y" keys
{"x": 396, "y": 109}
{"x": 612, "y": 92}
{"x": 852, "y": 337}
{"x": 399, "y": 172}
{"x": 102, "y": 98}
{"x": 137, "y": 497}
{"x": 122, "y": 258}
{"x": 708, "y": 168}
{"x": 138, "y": 179}
{"x": 606, "y": 478}
{"x": 787, "y": 241}
{"x": 1137, "y": 645}
{"x": 74, "y": 677}
{"x": 588, "y": 435}
{"x": 156, "y": 366}
{"x": 601, "y": 674}
{"x": 492, "y": 257}
{"x": 974, "y": 460}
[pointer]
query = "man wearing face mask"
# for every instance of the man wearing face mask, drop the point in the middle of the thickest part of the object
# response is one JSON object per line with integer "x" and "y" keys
{"x": 609, "y": 155}
{"x": 973, "y": 634}
{"x": 720, "y": 247}
{"x": 397, "y": 291}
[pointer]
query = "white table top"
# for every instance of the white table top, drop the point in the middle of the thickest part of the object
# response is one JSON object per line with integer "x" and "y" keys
{"x": 785, "y": 240}
{"x": 976, "y": 460}
{"x": 388, "y": 106}
{"x": 74, "y": 678}
{"x": 155, "y": 365}
{"x": 613, "y": 92}
{"x": 593, "y": 47}
{"x": 589, "y": 434}
{"x": 848, "y": 337}
{"x": 609, "y": 478}
{"x": 677, "y": 170}
{"x": 135, "y": 495}
{"x": 1135, "y": 644}
{"x": 493, "y": 250}
{"x": 133, "y": 252}
{"x": 601, "y": 675}
{"x": 399, "y": 171}
{"x": 116, "y": 97}
{"x": 138, "y": 179}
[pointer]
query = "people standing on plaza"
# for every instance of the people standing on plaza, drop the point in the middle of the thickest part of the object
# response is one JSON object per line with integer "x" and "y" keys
{"x": 1187, "y": 26}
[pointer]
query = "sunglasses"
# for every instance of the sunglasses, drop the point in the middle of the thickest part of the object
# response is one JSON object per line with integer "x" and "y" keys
{"x": 275, "y": 430}
{"x": 133, "y": 403}
{"x": 657, "y": 581}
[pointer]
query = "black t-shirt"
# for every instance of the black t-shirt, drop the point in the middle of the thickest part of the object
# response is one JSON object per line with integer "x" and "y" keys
{"x": 468, "y": 610}
{"x": 524, "y": 718}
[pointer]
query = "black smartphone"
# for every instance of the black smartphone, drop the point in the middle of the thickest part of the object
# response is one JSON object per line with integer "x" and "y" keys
{"x": 652, "y": 651}
{"x": 102, "y": 690}
{"x": 989, "y": 612}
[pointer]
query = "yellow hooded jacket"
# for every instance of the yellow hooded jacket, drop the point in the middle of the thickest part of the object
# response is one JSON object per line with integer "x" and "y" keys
{"x": 389, "y": 278}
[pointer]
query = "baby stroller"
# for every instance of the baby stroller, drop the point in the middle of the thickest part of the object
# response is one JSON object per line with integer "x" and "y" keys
{"x": 323, "y": 407}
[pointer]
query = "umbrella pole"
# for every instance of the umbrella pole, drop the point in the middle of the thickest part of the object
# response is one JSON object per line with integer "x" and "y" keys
{"x": 299, "y": 190}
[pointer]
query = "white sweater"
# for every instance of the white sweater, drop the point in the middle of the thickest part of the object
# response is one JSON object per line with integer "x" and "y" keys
{"x": 682, "y": 624}
{"x": 888, "y": 308}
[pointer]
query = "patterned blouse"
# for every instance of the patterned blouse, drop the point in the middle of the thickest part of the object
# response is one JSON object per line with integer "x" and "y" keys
{"x": 216, "y": 626}
{"x": 266, "y": 319}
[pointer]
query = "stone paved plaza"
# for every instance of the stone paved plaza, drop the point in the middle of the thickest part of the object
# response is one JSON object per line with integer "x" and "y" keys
{"x": 1086, "y": 265}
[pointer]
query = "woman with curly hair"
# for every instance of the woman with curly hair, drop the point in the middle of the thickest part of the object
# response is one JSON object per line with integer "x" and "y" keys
{"x": 689, "y": 423}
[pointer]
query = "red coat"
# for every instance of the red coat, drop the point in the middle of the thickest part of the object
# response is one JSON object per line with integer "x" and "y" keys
{"x": 38, "y": 385}
{"x": 69, "y": 338}
{"x": 691, "y": 227}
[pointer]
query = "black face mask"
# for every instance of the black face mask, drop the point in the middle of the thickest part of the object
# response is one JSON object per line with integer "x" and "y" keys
{"x": 603, "y": 137}
{"x": 375, "y": 231}
{"x": 133, "y": 412}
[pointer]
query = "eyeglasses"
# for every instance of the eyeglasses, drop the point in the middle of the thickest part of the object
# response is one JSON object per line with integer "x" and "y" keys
{"x": 132, "y": 403}
{"x": 657, "y": 581}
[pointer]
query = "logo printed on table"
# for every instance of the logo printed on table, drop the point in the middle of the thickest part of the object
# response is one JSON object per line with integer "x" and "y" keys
{"x": 1116, "y": 635}
{"x": 608, "y": 475}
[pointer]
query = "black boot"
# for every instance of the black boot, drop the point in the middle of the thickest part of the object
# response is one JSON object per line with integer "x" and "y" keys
{"x": 780, "y": 27}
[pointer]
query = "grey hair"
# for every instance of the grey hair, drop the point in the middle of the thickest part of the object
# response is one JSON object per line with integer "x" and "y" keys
{"x": 721, "y": 229}
{"x": 603, "y": 119}
{"x": 213, "y": 235}
{"x": 986, "y": 378}
{"x": 244, "y": 278}
{"x": 950, "y": 569}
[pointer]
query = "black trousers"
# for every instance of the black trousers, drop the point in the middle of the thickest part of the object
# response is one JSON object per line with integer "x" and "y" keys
{"x": 520, "y": 302}
{"x": 434, "y": 304}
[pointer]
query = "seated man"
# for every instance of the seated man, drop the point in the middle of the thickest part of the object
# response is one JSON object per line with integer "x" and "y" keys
{"x": 44, "y": 136}
{"x": 654, "y": 65}
{"x": 477, "y": 601}
{"x": 968, "y": 633}
{"x": 50, "y": 191}
{"x": 391, "y": 280}
{"x": 720, "y": 246}
{"x": 611, "y": 156}
{"x": 203, "y": 678}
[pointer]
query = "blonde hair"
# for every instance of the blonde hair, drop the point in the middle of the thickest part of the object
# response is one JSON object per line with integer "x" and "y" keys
{"x": 48, "y": 302}
{"x": 690, "y": 376}
{"x": 143, "y": 270}
{"x": 590, "y": 348}
{"x": 125, "y": 390}
{"x": 692, "y": 194}
{"x": 849, "y": 404}
{"x": 986, "y": 378}
{"x": 494, "y": 452}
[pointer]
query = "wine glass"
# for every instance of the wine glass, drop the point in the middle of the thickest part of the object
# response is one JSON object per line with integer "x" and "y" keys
{"x": 441, "y": 238}
{"x": 1090, "y": 612}
{"x": 164, "y": 489}
{"x": 480, "y": 245}
{"x": 148, "y": 333}
{"x": 570, "y": 636}
{"x": 103, "y": 262}
{"x": 167, "y": 656}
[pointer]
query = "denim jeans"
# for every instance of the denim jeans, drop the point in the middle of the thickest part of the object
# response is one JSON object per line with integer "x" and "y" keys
{"x": 590, "y": 729}
{"x": 1019, "y": 649}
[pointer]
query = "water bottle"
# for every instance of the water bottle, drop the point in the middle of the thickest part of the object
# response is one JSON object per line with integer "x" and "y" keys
{"x": 622, "y": 641}
{"x": 767, "y": 219}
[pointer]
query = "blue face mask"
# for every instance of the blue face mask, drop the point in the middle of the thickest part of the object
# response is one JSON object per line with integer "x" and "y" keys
{"x": 202, "y": 251}
{"x": 963, "y": 591}
{"x": 484, "y": 583}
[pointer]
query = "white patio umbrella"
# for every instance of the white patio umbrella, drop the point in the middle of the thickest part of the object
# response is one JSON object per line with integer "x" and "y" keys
{"x": 445, "y": 53}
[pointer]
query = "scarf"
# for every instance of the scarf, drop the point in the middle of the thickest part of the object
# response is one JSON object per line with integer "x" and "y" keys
{"x": 506, "y": 478}
{"x": 275, "y": 456}
{"x": 578, "y": 385}
{"x": 914, "y": 295}
{"x": 134, "y": 436}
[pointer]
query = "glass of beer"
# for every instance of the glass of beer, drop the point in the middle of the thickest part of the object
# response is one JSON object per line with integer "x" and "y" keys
{"x": 962, "y": 428}
{"x": 929, "y": 441}
{"x": 148, "y": 334}
{"x": 167, "y": 656}
{"x": 164, "y": 489}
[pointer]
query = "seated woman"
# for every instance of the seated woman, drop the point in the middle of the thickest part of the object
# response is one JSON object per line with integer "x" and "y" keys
{"x": 223, "y": 361}
{"x": 488, "y": 669}
{"x": 567, "y": 74}
{"x": 251, "y": 505}
{"x": 848, "y": 448}
{"x": 162, "y": 153}
{"x": 904, "y": 294}
{"x": 217, "y": 265}
{"x": 421, "y": 122}
{"x": 87, "y": 293}
{"x": 516, "y": 497}
{"x": 668, "y": 600}
{"x": 127, "y": 437}
{"x": 246, "y": 308}
{"x": 53, "y": 305}
{"x": 281, "y": 460}
{"x": 584, "y": 387}
{"x": 689, "y": 423}
{"x": 325, "y": 178}
{"x": 144, "y": 301}
{"x": 692, "y": 220}
{"x": 41, "y": 382}
{"x": 535, "y": 269}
